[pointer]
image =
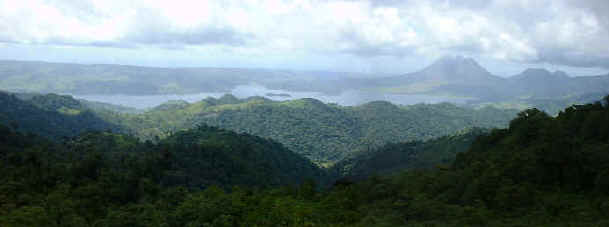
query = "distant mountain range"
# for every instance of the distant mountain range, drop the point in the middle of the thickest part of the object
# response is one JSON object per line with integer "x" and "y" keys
{"x": 541, "y": 83}
{"x": 81, "y": 79}
{"x": 462, "y": 76}
{"x": 448, "y": 77}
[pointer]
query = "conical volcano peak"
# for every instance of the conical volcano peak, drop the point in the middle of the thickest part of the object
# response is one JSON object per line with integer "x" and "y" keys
{"x": 457, "y": 60}
{"x": 455, "y": 68}
{"x": 456, "y": 65}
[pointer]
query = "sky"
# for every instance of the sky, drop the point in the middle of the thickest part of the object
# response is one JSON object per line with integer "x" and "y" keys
{"x": 504, "y": 36}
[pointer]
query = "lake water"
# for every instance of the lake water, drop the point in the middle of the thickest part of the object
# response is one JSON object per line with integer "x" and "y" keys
{"x": 347, "y": 98}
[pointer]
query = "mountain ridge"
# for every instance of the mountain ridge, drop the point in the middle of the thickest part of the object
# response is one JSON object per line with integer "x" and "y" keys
{"x": 456, "y": 69}
{"x": 462, "y": 76}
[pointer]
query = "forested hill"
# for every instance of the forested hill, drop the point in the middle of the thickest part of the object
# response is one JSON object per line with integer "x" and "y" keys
{"x": 326, "y": 133}
{"x": 52, "y": 116}
{"x": 87, "y": 178}
{"x": 211, "y": 156}
{"x": 541, "y": 171}
{"x": 397, "y": 157}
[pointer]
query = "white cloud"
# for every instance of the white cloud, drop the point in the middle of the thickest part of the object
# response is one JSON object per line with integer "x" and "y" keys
{"x": 520, "y": 31}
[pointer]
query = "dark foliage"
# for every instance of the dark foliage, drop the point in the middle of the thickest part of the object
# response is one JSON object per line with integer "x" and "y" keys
{"x": 52, "y": 116}
{"x": 88, "y": 180}
{"x": 541, "y": 171}
{"x": 397, "y": 157}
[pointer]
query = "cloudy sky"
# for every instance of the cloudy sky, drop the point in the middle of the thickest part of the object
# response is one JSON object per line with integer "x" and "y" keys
{"x": 388, "y": 36}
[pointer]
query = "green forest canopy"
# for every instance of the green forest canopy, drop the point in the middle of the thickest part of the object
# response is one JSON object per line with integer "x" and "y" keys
{"x": 324, "y": 133}
{"x": 541, "y": 171}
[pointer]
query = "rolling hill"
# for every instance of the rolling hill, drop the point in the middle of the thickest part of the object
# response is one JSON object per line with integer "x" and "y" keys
{"x": 394, "y": 158}
{"x": 541, "y": 171}
{"x": 324, "y": 133}
{"x": 52, "y": 116}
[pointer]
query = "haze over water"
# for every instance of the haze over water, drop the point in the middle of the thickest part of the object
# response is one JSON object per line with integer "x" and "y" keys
{"x": 347, "y": 98}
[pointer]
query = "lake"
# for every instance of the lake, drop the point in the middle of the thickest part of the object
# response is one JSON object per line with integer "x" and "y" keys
{"x": 347, "y": 98}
